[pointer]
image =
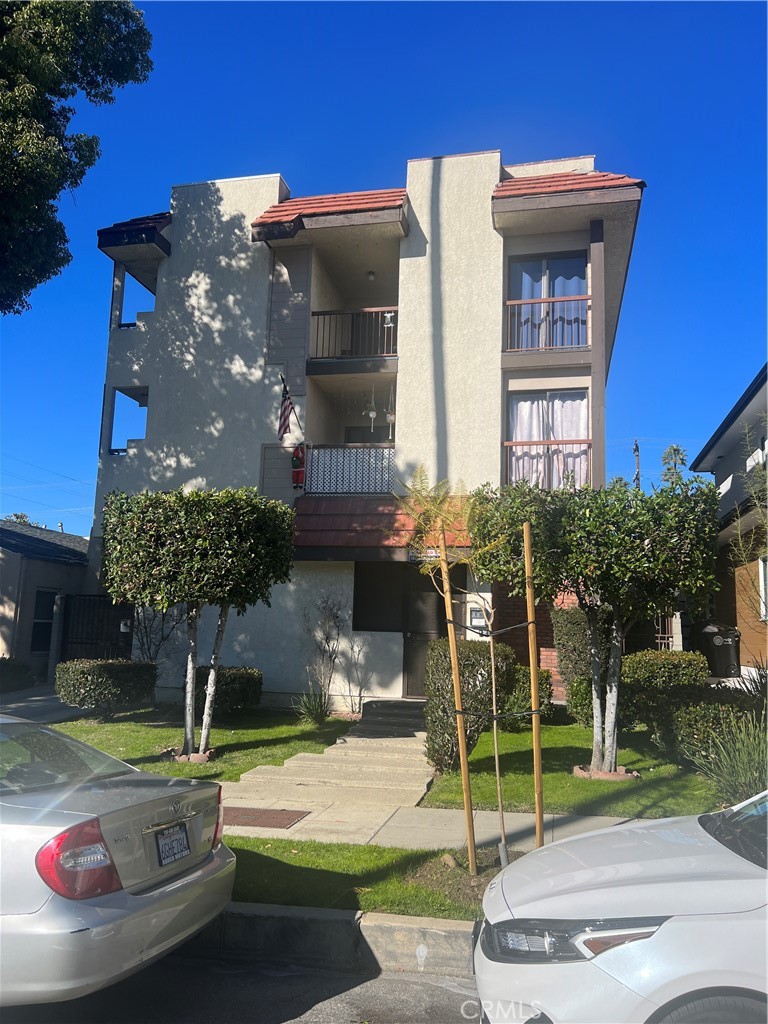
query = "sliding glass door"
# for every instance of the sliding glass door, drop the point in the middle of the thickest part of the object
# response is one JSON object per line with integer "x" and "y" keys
{"x": 548, "y": 435}
{"x": 547, "y": 305}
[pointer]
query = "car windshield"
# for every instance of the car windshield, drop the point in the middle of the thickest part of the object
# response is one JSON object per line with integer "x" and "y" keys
{"x": 32, "y": 758}
{"x": 744, "y": 830}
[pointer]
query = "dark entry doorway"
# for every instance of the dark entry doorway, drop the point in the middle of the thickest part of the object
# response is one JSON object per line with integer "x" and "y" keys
{"x": 424, "y": 621}
{"x": 94, "y": 627}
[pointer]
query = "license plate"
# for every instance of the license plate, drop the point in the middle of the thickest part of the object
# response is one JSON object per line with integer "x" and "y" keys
{"x": 172, "y": 844}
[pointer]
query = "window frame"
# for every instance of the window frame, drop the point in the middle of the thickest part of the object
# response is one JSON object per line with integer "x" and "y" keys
{"x": 38, "y": 621}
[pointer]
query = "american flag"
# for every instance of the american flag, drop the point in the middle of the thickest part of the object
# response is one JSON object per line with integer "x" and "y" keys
{"x": 284, "y": 420}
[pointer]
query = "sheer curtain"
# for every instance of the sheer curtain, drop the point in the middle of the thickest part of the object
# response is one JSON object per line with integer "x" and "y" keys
{"x": 562, "y": 324}
{"x": 559, "y": 422}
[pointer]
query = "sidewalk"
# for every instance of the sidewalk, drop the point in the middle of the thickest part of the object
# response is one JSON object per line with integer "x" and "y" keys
{"x": 37, "y": 705}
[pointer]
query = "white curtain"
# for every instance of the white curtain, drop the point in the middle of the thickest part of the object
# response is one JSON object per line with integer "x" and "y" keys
{"x": 559, "y": 421}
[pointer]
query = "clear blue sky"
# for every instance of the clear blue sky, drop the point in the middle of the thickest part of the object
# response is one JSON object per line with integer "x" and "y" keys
{"x": 336, "y": 97}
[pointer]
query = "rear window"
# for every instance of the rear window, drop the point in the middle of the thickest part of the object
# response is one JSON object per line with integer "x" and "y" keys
{"x": 32, "y": 758}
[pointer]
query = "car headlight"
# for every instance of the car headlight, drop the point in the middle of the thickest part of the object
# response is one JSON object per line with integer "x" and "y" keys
{"x": 559, "y": 941}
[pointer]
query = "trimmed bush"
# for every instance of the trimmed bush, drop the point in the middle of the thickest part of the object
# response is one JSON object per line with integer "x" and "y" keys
{"x": 571, "y": 638}
{"x": 655, "y": 683}
{"x": 15, "y": 675}
{"x": 579, "y": 701}
{"x": 513, "y": 686}
{"x": 694, "y": 727}
{"x": 519, "y": 699}
{"x": 238, "y": 688}
{"x": 106, "y": 686}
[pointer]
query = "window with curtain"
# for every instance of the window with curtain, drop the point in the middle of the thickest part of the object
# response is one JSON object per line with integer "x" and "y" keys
{"x": 548, "y": 435}
{"x": 559, "y": 318}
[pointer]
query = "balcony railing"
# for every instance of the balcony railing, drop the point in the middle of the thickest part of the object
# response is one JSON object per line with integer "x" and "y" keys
{"x": 547, "y": 324}
{"x": 549, "y": 464}
{"x": 354, "y": 333}
{"x": 350, "y": 469}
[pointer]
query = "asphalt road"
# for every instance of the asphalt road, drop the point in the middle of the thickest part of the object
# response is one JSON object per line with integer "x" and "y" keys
{"x": 181, "y": 990}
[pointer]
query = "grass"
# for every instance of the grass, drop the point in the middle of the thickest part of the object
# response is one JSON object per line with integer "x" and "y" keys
{"x": 242, "y": 742}
{"x": 370, "y": 878}
{"x": 664, "y": 788}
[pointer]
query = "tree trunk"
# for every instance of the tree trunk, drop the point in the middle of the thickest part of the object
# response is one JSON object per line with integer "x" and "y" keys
{"x": 210, "y": 690}
{"x": 193, "y": 614}
{"x": 597, "y": 710}
{"x": 612, "y": 699}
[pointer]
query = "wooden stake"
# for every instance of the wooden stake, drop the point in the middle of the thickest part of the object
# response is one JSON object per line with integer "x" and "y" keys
{"x": 457, "y": 701}
{"x": 534, "y": 660}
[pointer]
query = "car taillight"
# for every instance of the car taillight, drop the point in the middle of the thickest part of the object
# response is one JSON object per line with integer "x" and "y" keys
{"x": 76, "y": 863}
{"x": 219, "y": 830}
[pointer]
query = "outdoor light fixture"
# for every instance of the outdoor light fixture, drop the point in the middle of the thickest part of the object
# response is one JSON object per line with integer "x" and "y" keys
{"x": 388, "y": 319}
{"x": 371, "y": 275}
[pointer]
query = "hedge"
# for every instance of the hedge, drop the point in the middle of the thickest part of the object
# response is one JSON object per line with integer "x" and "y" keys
{"x": 513, "y": 694}
{"x": 237, "y": 689}
{"x": 106, "y": 686}
{"x": 571, "y": 638}
{"x": 15, "y": 675}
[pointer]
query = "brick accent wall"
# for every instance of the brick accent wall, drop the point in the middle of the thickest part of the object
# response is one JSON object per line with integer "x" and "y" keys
{"x": 512, "y": 610}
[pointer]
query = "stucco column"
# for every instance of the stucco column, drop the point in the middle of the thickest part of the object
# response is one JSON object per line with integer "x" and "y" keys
{"x": 57, "y": 636}
{"x": 597, "y": 387}
{"x": 118, "y": 290}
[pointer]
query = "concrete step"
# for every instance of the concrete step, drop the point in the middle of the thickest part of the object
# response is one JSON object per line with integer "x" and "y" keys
{"x": 404, "y": 743}
{"x": 360, "y": 762}
{"x": 411, "y": 707}
{"x": 271, "y": 792}
{"x": 357, "y": 754}
{"x": 332, "y": 776}
{"x": 415, "y": 722}
{"x": 387, "y": 732}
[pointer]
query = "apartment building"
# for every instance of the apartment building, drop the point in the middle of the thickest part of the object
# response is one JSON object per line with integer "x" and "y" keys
{"x": 736, "y": 456}
{"x": 463, "y": 321}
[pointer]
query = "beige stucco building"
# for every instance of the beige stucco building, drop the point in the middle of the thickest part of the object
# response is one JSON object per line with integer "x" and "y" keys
{"x": 463, "y": 320}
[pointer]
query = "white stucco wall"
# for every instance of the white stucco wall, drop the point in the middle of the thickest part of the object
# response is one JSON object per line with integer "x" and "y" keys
{"x": 450, "y": 319}
{"x": 212, "y": 401}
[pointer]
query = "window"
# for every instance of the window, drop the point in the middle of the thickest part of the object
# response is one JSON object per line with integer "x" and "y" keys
{"x": 549, "y": 438}
{"x": 129, "y": 418}
{"x": 42, "y": 624}
{"x": 547, "y": 305}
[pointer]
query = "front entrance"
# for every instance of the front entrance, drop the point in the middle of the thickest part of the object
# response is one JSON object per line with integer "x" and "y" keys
{"x": 425, "y": 621}
{"x": 94, "y": 627}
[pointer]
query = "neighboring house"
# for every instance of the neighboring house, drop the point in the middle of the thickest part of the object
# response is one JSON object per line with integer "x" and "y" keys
{"x": 464, "y": 322}
{"x": 736, "y": 454}
{"x": 37, "y": 568}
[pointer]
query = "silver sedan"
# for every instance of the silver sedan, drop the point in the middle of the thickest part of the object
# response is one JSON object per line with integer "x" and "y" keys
{"x": 103, "y": 868}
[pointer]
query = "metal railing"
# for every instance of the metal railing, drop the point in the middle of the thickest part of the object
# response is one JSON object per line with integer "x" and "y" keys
{"x": 354, "y": 333}
{"x": 350, "y": 469}
{"x": 545, "y": 324}
{"x": 549, "y": 464}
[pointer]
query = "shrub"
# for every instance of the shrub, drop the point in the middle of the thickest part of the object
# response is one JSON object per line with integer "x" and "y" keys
{"x": 237, "y": 689}
{"x": 519, "y": 700}
{"x": 579, "y": 701}
{"x": 731, "y": 754}
{"x": 313, "y": 706}
{"x": 513, "y": 694}
{"x": 571, "y": 637}
{"x": 694, "y": 727}
{"x": 655, "y": 683}
{"x": 106, "y": 686}
{"x": 15, "y": 675}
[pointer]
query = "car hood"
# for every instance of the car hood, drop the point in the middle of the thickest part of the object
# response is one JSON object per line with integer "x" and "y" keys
{"x": 666, "y": 867}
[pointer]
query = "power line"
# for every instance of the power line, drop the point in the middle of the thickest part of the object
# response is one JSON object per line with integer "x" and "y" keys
{"x": 45, "y": 469}
{"x": 38, "y": 483}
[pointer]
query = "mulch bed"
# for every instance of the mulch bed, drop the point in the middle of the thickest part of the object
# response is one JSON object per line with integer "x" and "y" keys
{"x": 257, "y": 817}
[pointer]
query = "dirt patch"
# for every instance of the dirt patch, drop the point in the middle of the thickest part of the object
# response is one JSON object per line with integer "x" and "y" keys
{"x": 449, "y": 874}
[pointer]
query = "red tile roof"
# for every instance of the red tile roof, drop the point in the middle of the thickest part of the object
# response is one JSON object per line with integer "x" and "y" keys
{"x": 548, "y": 184}
{"x": 344, "y": 202}
{"x": 358, "y": 522}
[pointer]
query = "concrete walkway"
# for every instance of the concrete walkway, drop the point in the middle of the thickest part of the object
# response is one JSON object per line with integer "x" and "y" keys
{"x": 37, "y": 705}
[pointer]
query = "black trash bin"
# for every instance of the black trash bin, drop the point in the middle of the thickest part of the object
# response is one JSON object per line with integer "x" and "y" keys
{"x": 721, "y": 647}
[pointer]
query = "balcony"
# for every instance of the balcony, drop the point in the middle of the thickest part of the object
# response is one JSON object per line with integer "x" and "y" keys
{"x": 350, "y": 469}
{"x": 354, "y": 333}
{"x": 549, "y": 464}
{"x": 547, "y": 325}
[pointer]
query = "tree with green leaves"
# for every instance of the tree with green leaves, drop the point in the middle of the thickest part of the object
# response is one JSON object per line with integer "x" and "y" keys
{"x": 49, "y": 52}
{"x": 22, "y": 518}
{"x": 223, "y": 548}
{"x": 615, "y": 548}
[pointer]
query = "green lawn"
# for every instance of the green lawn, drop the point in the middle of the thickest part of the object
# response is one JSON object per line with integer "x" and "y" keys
{"x": 241, "y": 743}
{"x": 664, "y": 788}
{"x": 343, "y": 876}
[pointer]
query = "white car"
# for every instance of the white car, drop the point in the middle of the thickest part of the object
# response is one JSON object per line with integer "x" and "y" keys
{"x": 103, "y": 868}
{"x": 656, "y": 922}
